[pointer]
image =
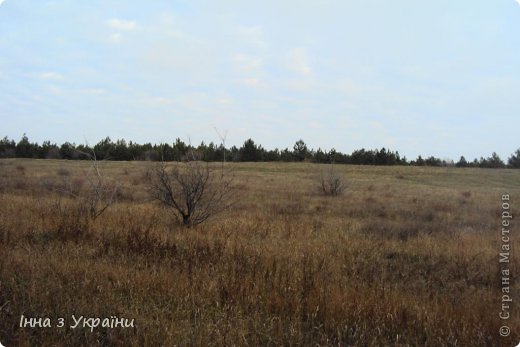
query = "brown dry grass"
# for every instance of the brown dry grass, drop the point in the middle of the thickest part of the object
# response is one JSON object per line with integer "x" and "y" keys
{"x": 408, "y": 256}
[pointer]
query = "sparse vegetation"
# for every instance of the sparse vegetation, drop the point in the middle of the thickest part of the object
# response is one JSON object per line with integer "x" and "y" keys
{"x": 408, "y": 262}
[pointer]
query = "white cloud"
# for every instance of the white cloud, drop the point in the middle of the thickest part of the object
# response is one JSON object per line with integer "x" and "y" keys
{"x": 250, "y": 82}
{"x": 50, "y": 75}
{"x": 224, "y": 101}
{"x": 115, "y": 38}
{"x": 250, "y": 31}
{"x": 1, "y": 2}
{"x": 253, "y": 35}
{"x": 121, "y": 24}
{"x": 518, "y": 2}
{"x": 158, "y": 101}
{"x": 299, "y": 85}
{"x": 93, "y": 91}
{"x": 247, "y": 63}
{"x": 54, "y": 90}
{"x": 315, "y": 125}
{"x": 297, "y": 60}
{"x": 376, "y": 125}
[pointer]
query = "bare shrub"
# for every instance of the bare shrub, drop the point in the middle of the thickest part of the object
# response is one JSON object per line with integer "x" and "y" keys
{"x": 331, "y": 182}
{"x": 48, "y": 183}
{"x": 21, "y": 169}
{"x": 193, "y": 191}
{"x": 466, "y": 194}
{"x": 94, "y": 193}
{"x": 80, "y": 202}
{"x": 63, "y": 172}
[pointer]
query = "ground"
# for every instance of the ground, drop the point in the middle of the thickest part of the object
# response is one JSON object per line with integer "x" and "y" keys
{"x": 406, "y": 256}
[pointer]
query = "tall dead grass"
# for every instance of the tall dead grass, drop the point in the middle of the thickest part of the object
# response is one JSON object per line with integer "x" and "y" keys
{"x": 397, "y": 261}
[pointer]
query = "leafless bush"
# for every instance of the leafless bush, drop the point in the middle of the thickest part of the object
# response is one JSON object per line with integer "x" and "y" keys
{"x": 466, "y": 194}
{"x": 21, "y": 169}
{"x": 63, "y": 172}
{"x": 332, "y": 183}
{"x": 48, "y": 183}
{"x": 94, "y": 194}
{"x": 194, "y": 191}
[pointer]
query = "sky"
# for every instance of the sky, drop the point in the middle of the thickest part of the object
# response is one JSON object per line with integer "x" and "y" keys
{"x": 435, "y": 78}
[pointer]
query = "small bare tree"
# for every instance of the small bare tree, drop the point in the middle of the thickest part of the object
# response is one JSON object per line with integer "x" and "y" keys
{"x": 97, "y": 195}
{"x": 332, "y": 183}
{"x": 88, "y": 197}
{"x": 101, "y": 193}
{"x": 194, "y": 191}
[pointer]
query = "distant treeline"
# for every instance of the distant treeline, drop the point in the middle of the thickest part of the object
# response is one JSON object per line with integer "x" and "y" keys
{"x": 248, "y": 152}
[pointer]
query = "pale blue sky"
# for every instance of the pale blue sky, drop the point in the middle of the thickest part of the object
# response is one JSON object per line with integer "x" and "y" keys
{"x": 422, "y": 77}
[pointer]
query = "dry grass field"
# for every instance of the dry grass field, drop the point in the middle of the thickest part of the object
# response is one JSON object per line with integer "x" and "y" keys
{"x": 408, "y": 256}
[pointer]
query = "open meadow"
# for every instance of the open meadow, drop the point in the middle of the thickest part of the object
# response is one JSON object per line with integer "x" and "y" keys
{"x": 407, "y": 256}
